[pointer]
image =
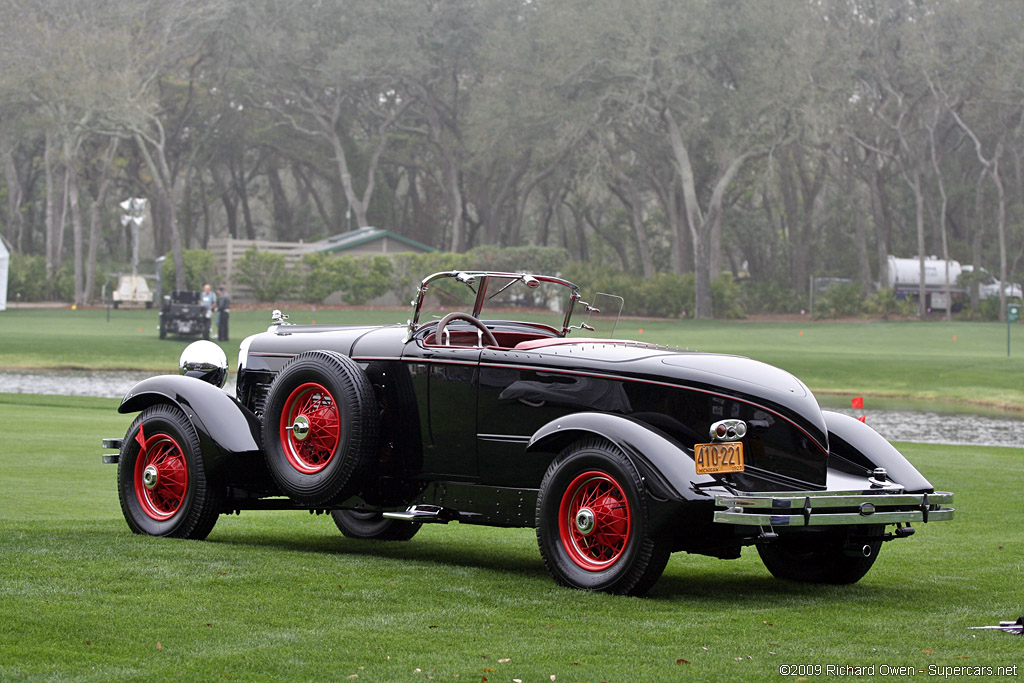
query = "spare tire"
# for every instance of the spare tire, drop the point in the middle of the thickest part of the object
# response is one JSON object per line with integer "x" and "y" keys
{"x": 320, "y": 427}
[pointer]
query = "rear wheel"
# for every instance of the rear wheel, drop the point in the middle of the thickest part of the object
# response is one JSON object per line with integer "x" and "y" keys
{"x": 162, "y": 482}
{"x": 373, "y": 526}
{"x": 320, "y": 427}
{"x": 832, "y": 556}
{"x": 592, "y": 525}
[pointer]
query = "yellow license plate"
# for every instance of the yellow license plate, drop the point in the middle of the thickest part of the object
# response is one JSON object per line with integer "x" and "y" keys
{"x": 717, "y": 458}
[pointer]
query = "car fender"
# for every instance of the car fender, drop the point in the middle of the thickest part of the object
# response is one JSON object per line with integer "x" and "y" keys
{"x": 665, "y": 465}
{"x": 855, "y": 441}
{"x": 224, "y": 425}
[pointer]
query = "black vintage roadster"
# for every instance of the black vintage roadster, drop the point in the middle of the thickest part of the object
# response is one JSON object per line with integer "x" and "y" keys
{"x": 619, "y": 453}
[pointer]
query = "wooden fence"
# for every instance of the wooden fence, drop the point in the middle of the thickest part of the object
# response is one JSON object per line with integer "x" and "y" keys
{"x": 228, "y": 251}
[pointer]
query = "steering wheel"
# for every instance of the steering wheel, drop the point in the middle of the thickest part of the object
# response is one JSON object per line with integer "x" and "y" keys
{"x": 456, "y": 315}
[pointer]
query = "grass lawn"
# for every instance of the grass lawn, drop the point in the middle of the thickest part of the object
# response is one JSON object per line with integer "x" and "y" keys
{"x": 276, "y": 595}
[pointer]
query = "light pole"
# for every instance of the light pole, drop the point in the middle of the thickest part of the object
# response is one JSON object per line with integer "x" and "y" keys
{"x": 135, "y": 213}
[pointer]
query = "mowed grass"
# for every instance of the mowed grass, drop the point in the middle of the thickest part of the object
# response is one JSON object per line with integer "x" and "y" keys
{"x": 283, "y": 596}
{"x": 955, "y": 362}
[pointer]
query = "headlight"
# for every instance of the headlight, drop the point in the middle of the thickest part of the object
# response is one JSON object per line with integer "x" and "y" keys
{"x": 206, "y": 361}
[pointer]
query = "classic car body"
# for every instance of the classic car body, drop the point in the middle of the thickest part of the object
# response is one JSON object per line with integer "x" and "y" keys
{"x": 618, "y": 452}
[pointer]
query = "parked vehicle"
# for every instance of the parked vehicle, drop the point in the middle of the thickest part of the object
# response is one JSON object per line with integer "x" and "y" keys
{"x": 618, "y": 453}
{"x": 184, "y": 315}
{"x": 132, "y": 289}
{"x": 946, "y": 282}
{"x": 989, "y": 286}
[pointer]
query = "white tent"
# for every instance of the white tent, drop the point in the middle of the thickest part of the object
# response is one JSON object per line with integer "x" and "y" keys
{"x": 5, "y": 262}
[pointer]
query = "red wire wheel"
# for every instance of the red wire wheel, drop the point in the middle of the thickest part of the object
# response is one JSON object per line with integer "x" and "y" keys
{"x": 310, "y": 428}
{"x": 161, "y": 477}
{"x": 594, "y": 521}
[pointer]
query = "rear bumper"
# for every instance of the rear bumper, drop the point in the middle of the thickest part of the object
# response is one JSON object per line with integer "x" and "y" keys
{"x": 832, "y": 508}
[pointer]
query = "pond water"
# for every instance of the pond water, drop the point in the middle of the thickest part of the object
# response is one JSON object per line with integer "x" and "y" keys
{"x": 101, "y": 383}
{"x": 895, "y": 419}
{"x": 935, "y": 422}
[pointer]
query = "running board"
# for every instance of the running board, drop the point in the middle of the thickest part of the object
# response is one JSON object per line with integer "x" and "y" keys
{"x": 425, "y": 514}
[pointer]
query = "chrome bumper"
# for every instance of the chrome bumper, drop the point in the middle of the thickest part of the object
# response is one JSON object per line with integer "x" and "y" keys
{"x": 115, "y": 444}
{"x": 832, "y": 508}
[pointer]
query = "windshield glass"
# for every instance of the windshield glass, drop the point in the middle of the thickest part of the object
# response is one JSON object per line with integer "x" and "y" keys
{"x": 496, "y": 296}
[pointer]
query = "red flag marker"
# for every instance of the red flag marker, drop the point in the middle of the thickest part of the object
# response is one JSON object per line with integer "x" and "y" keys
{"x": 863, "y": 418}
{"x": 141, "y": 439}
{"x": 857, "y": 403}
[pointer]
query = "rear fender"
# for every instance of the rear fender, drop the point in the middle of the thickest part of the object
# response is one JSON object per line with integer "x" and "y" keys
{"x": 225, "y": 427}
{"x": 665, "y": 465}
{"x": 855, "y": 441}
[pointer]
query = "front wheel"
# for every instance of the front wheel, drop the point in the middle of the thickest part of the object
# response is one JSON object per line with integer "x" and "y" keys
{"x": 373, "y": 526}
{"x": 830, "y": 557}
{"x": 592, "y": 522}
{"x": 161, "y": 479}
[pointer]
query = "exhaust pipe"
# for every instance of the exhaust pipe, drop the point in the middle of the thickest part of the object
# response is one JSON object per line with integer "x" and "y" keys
{"x": 854, "y": 550}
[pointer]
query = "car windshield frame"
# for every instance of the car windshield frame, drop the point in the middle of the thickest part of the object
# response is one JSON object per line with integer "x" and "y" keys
{"x": 484, "y": 287}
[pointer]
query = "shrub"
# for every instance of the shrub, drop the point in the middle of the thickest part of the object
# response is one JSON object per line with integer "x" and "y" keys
{"x": 666, "y": 295}
{"x": 200, "y": 269}
{"x": 363, "y": 278}
{"x": 409, "y": 268}
{"x": 988, "y": 309}
{"x": 839, "y": 300}
{"x": 265, "y": 273}
{"x": 885, "y": 303}
{"x": 26, "y": 278}
{"x": 768, "y": 297}
{"x": 528, "y": 259}
{"x": 319, "y": 278}
{"x": 726, "y": 296}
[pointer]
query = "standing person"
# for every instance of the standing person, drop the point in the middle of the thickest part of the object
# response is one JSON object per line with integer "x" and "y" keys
{"x": 208, "y": 298}
{"x": 209, "y": 301}
{"x": 224, "y": 310}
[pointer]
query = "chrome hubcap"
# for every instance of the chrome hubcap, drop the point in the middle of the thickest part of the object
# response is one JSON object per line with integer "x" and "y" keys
{"x": 585, "y": 521}
{"x": 300, "y": 430}
{"x": 150, "y": 477}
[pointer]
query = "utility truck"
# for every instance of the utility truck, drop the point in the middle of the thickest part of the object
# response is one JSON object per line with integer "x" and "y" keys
{"x": 946, "y": 282}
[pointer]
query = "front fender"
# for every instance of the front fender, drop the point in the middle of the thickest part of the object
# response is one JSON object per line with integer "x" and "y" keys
{"x": 217, "y": 416}
{"x": 664, "y": 463}
{"x": 855, "y": 441}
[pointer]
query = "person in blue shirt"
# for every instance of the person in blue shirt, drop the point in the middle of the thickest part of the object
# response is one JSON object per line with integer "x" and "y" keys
{"x": 208, "y": 298}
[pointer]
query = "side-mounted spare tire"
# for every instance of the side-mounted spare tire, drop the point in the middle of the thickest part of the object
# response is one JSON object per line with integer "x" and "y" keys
{"x": 320, "y": 427}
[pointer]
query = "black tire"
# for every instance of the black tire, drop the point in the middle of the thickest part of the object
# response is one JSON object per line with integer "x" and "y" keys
{"x": 181, "y": 502}
{"x": 823, "y": 557}
{"x": 372, "y": 526}
{"x": 332, "y": 398}
{"x": 603, "y": 545}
